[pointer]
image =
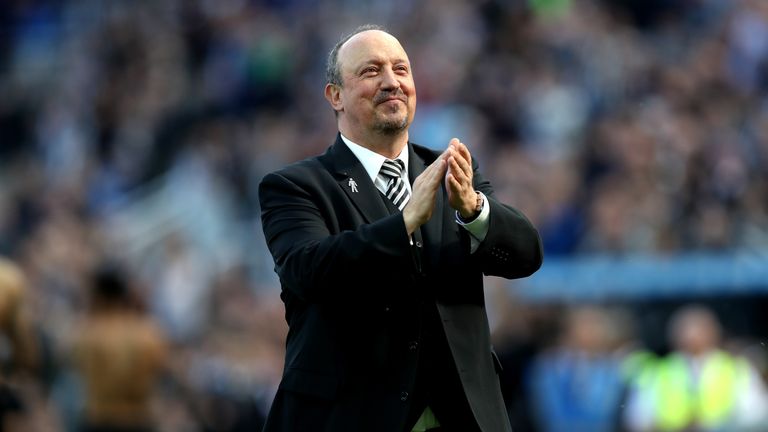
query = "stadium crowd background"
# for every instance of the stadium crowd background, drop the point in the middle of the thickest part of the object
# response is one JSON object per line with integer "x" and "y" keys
{"x": 137, "y": 132}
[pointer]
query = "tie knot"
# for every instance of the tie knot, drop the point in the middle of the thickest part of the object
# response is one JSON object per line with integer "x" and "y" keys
{"x": 392, "y": 168}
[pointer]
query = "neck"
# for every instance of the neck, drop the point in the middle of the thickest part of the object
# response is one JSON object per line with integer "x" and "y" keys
{"x": 386, "y": 145}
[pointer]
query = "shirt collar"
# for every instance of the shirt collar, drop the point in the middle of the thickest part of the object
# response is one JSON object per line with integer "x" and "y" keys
{"x": 371, "y": 160}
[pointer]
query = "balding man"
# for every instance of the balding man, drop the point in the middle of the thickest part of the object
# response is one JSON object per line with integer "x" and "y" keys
{"x": 381, "y": 246}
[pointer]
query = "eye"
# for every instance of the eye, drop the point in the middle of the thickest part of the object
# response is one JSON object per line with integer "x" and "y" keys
{"x": 370, "y": 70}
{"x": 401, "y": 68}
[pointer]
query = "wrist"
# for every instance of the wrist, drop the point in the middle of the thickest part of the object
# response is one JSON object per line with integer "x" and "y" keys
{"x": 411, "y": 224}
{"x": 469, "y": 214}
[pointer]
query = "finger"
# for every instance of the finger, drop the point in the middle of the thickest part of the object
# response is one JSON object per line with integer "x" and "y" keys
{"x": 453, "y": 186}
{"x": 450, "y": 184}
{"x": 460, "y": 169}
{"x": 454, "y": 142}
{"x": 464, "y": 151}
{"x": 462, "y": 164}
{"x": 435, "y": 165}
{"x": 437, "y": 172}
{"x": 443, "y": 157}
{"x": 453, "y": 167}
{"x": 453, "y": 182}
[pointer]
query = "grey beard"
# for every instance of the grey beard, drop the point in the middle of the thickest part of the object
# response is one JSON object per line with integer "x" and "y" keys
{"x": 391, "y": 127}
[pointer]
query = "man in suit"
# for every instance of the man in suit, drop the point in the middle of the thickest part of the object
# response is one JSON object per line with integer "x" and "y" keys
{"x": 381, "y": 246}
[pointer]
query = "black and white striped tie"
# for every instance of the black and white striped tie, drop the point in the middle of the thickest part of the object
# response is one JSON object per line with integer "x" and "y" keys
{"x": 397, "y": 191}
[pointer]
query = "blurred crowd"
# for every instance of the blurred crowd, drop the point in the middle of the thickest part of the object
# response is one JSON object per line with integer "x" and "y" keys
{"x": 134, "y": 133}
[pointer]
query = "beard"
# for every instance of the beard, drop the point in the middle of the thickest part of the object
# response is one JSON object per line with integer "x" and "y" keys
{"x": 391, "y": 125}
{"x": 394, "y": 121}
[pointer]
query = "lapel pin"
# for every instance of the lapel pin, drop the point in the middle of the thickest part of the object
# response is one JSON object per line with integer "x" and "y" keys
{"x": 352, "y": 184}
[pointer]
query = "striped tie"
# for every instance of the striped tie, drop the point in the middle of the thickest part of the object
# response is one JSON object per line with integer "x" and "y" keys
{"x": 397, "y": 191}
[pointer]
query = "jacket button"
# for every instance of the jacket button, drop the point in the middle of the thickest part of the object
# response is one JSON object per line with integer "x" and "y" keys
{"x": 404, "y": 396}
{"x": 418, "y": 244}
{"x": 413, "y": 345}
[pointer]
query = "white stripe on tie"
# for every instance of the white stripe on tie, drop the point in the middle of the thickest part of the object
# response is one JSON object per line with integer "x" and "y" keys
{"x": 397, "y": 191}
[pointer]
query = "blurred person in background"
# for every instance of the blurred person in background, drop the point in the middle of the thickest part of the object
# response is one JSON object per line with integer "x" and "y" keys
{"x": 699, "y": 386}
{"x": 180, "y": 296}
{"x": 578, "y": 385}
{"x": 381, "y": 265}
{"x": 120, "y": 354}
{"x": 19, "y": 354}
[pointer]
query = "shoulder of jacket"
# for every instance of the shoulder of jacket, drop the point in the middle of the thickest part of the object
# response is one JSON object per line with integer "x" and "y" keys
{"x": 299, "y": 169}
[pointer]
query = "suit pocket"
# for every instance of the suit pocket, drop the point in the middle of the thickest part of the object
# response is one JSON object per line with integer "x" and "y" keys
{"x": 310, "y": 383}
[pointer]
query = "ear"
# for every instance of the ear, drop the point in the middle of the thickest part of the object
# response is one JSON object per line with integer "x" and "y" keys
{"x": 333, "y": 95}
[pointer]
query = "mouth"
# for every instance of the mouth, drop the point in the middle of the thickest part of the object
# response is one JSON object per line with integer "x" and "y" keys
{"x": 393, "y": 100}
{"x": 387, "y": 99}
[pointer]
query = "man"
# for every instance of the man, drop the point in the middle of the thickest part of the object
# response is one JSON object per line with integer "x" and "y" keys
{"x": 577, "y": 385}
{"x": 381, "y": 246}
{"x": 120, "y": 354}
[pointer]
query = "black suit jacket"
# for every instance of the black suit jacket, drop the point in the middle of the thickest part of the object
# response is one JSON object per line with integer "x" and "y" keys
{"x": 351, "y": 286}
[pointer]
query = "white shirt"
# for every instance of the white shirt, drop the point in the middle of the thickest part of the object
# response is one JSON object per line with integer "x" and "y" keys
{"x": 372, "y": 163}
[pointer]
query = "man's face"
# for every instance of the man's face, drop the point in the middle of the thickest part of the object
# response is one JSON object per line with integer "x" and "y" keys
{"x": 378, "y": 94}
{"x": 696, "y": 332}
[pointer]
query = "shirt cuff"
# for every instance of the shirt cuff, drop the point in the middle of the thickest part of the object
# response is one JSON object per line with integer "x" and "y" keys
{"x": 478, "y": 228}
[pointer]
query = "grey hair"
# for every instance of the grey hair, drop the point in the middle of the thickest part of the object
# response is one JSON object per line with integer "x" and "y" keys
{"x": 332, "y": 69}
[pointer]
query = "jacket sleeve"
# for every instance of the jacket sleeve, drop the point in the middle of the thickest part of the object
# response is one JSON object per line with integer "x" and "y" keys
{"x": 316, "y": 264}
{"x": 512, "y": 247}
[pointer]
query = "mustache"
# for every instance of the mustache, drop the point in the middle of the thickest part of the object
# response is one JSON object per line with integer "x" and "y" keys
{"x": 384, "y": 96}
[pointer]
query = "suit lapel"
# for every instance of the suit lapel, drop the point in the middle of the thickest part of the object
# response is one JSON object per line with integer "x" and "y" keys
{"x": 355, "y": 182}
{"x": 432, "y": 230}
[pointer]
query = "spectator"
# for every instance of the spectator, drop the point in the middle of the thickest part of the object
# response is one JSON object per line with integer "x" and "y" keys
{"x": 699, "y": 386}
{"x": 119, "y": 353}
{"x": 21, "y": 354}
{"x": 578, "y": 386}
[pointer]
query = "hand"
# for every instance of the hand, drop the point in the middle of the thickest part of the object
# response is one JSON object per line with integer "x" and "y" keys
{"x": 419, "y": 208}
{"x": 458, "y": 179}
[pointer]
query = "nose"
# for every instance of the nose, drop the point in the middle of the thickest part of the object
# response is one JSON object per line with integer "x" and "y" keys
{"x": 389, "y": 80}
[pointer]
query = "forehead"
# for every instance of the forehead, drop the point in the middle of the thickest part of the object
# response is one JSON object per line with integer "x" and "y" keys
{"x": 371, "y": 45}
